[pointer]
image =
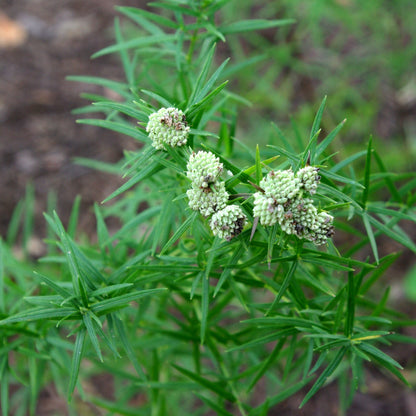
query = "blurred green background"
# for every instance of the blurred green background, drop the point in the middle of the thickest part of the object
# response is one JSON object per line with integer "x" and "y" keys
{"x": 362, "y": 55}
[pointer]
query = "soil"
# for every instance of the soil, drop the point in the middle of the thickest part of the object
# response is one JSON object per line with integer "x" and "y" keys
{"x": 41, "y": 44}
{"x": 39, "y": 135}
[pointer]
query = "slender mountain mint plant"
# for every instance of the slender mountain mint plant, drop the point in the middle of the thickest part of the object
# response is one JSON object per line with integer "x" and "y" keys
{"x": 240, "y": 274}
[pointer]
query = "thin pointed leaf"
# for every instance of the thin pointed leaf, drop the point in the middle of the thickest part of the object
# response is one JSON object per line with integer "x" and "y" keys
{"x": 14, "y": 223}
{"x": 218, "y": 409}
{"x": 351, "y": 294}
{"x": 280, "y": 397}
{"x": 119, "y": 87}
{"x": 380, "y": 355}
{"x": 122, "y": 108}
{"x": 367, "y": 174}
{"x": 285, "y": 284}
{"x": 267, "y": 363}
{"x": 37, "y": 314}
{"x": 119, "y": 127}
{"x": 180, "y": 231}
{"x": 315, "y": 130}
{"x": 371, "y": 237}
{"x": 201, "y": 104}
{"x": 163, "y": 101}
{"x": 110, "y": 289}
{"x": 202, "y": 76}
{"x": 253, "y": 24}
{"x": 73, "y": 218}
{"x": 76, "y": 361}
{"x": 210, "y": 83}
{"x": 4, "y": 385}
{"x": 176, "y": 8}
{"x": 124, "y": 56}
{"x": 321, "y": 147}
{"x": 127, "y": 346}
{"x": 93, "y": 336}
{"x": 325, "y": 374}
{"x": 317, "y": 121}
{"x": 259, "y": 175}
{"x": 108, "y": 305}
{"x": 210, "y": 385}
{"x": 132, "y": 12}
{"x": 340, "y": 178}
{"x": 228, "y": 268}
{"x": 205, "y": 288}
{"x": 384, "y": 228}
{"x": 147, "y": 171}
{"x": 64, "y": 293}
{"x": 136, "y": 43}
{"x": 163, "y": 223}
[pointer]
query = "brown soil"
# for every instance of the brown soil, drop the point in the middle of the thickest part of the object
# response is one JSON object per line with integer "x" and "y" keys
{"x": 39, "y": 136}
{"x": 45, "y": 42}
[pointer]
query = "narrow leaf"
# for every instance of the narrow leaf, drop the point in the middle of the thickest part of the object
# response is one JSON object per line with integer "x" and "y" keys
{"x": 180, "y": 231}
{"x": 135, "y": 43}
{"x": 91, "y": 332}
{"x": 76, "y": 361}
{"x": 119, "y": 127}
{"x": 325, "y": 374}
{"x": 210, "y": 385}
{"x": 253, "y": 24}
{"x": 367, "y": 174}
{"x": 371, "y": 237}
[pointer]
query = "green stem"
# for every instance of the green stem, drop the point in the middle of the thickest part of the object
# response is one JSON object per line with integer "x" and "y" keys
{"x": 192, "y": 46}
{"x": 226, "y": 374}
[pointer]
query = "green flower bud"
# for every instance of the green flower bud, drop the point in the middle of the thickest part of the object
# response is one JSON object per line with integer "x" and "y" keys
{"x": 207, "y": 200}
{"x": 204, "y": 168}
{"x": 323, "y": 228}
{"x": 266, "y": 209}
{"x": 167, "y": 127}
{"x": 228, "y": 222}
{"x": 282, "y": 203}
{"x": 309, "y": 178}
{"x": 300, "y": 217}
{"x": 281, "y": 186}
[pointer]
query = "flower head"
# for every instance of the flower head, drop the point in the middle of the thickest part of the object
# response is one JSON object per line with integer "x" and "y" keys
{"x": 322, "y": 229}
{"x": 281, "y": 186}
{"x": 266, "y": 209}
{"x": 207, "y": 200}
{"x": 167, "y": 126}
{"x": 204, "y": 168}
{"x": 228, "y": 222}
{"x": 309, "y": 178}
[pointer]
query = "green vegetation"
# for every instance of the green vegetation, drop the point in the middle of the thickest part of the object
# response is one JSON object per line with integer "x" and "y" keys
{"x": 184, "y": 321}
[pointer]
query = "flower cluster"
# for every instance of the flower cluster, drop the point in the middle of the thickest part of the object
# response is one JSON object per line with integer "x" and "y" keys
{"x": 167, "y": 126}
{"x": 208, "y": 200}
{"x": 209, "y": 196}
{"x": 228, "y": 222}
{"x": 282, "y": 201}
{"x": 204, "y": 169}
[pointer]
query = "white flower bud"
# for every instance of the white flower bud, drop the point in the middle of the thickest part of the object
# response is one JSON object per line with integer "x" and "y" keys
{"x": 207, "y": 200}
{"x": 228, "y": 222}
{"x": 323, "y": 228}
{"x": 309, "y": 178}
{"x": 167, "y": 127}
{"x": 281, "y": 186}
{"x": 204, "y": 168}
{"x": 266, "y": 209}
{"x": 282, "y": 203}
{"x": 301, "y": 216}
